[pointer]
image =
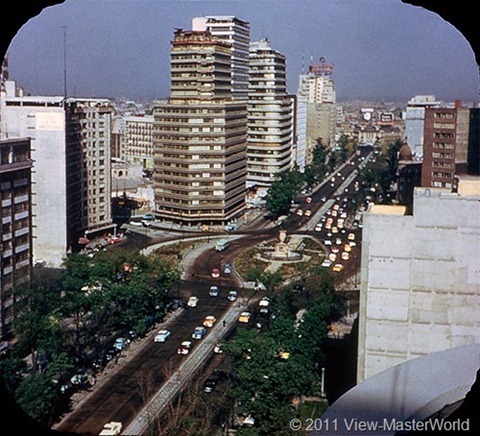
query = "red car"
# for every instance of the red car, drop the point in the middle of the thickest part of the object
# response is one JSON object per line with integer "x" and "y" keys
{"x": 215, "y": 273}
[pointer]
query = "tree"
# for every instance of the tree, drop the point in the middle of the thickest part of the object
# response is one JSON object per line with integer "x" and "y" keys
{"x": 282, "y": 191}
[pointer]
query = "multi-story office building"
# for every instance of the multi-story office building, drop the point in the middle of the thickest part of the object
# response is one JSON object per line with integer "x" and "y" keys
{"x": 138, "y": 141}
{"x": 200, "y": 135}
{"x": 88, "y": 168}
{"x": 420, "y": 281}
{"x": 415, "y": 122}
{"x": 16, "y": 227}
{"x": 448, "y": 137}
{"x": 270, "y": 116}
{"x": 236, "y": 33}
{"x": 318, "y": 90}
{"x": 70, "y": 150}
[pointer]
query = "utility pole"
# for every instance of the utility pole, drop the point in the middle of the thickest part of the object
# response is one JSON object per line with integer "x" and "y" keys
{"x": 65, "y": 61}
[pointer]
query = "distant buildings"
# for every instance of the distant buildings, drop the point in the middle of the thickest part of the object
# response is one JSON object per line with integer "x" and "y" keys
{"x": 423, "y": 295}
{"x": 415, "y": 121}
{"x": 316, "y": 90}
{"x": 16, "y": 226}
{"x": 200, "y": 135}
{"x": 270, "y": 116}
{"x": 138, "y": 141}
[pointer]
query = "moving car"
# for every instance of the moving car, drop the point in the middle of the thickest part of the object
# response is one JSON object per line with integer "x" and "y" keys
{"x": 199, "y": 332}
{"x": 111, "y": 428}
{"x": 184, "y": 347}
{"x": 213, "y": 291}
{"x": 209, "y": 321}
{"x": 162, "y": 335}
{"x": 192, "y": 301}
{"x": 264, "y": 302}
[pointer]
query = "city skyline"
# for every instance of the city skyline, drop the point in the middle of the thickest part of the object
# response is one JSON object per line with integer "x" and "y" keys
{"x": 121, "y": 49}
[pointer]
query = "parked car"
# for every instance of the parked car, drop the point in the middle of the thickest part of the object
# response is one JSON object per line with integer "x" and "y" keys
{"x": 338, "y": 267}
{"x": 79, "y": 379}
{"x": 327, "y": 263}
{"x": 162, "y": 335}
{"x": 215, "y": 273}
{"x": 136, "y": 223}
{"x": 212, "y": 381}
{"x": 120, "y": 343}
{"x": 232, "y": 295}
{"x": 244, "y": 317}
{"x": 227, "y": 269}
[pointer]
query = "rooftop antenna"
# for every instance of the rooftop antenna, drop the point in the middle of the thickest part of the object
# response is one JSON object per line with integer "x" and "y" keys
{"x": 65, "y": 61}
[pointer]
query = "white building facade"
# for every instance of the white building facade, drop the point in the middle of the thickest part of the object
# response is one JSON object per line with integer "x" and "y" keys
{"x": 415, "y": 122}
{"x": 420, "y": 280}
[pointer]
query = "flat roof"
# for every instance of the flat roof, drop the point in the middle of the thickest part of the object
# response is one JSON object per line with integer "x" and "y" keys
{"x": 387, "y": 209}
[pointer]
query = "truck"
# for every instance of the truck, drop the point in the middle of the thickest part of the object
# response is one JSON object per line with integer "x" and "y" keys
{"x": 221, "y": 245}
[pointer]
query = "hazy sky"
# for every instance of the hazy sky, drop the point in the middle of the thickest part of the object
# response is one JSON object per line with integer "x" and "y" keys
{"x": 381, "y": 49}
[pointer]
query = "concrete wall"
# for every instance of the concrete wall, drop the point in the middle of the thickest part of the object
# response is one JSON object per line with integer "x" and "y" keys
{"x": 46, "y": 126}
{"x": 420, "y": 289}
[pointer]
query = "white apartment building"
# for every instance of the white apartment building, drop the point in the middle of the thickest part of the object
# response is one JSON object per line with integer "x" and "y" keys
{"x": 70, "y": 150}
{"x": 420, "y": 278}
{"x": 43, "y": 120}
{"x": 270, "y": 116}
{"x": 236, "y": 33}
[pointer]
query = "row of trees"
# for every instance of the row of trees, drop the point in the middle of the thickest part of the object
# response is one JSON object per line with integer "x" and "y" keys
{"x": 324, "y": 160}
{"x": 72, "y": 317}
{"x": 378, "y": 177}
{"x": 272, "y": 367}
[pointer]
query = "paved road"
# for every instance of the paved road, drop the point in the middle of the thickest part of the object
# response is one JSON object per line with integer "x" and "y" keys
{"x": 147, "y": 377}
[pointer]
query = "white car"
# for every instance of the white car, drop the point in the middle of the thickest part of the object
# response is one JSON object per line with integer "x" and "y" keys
{"x": 232, "y": 295}
{"x": 162, "y": 335}
{"x": 184, "y": 347}
{"x": 192, "y": 301}
{"x": 318, "y": 227}
{"x": 327, "y": 242}
{"x": 213, "y": 291}
{"x": 264, "y": 302}
{"x": 327, "y": 263}
{"x": 136, "y": 223}
{"x": 111, "y": 429}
